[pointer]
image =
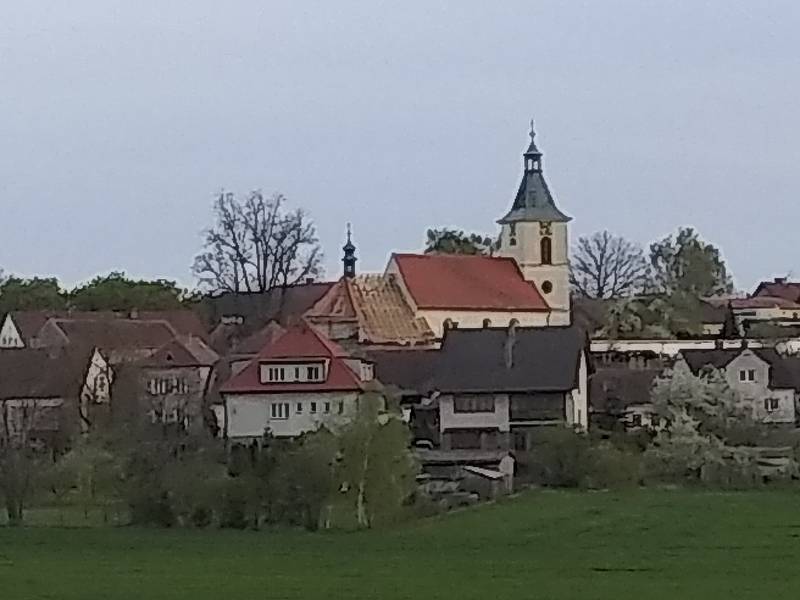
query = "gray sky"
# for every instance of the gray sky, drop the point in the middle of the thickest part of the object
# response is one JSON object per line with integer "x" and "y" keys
{"x": 120, "y": 119}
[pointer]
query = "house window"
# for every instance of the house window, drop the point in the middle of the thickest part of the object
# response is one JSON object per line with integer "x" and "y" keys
{"x": 158, "y": 386}
{"x": 327, "y": 408}
{"x": 313, "y": 407}
{"x": 313, "y": 373}
{"x": 748, "y": 375}
{"x": 546, "y": 248}
{"x": 279, "y": 410}
{"x": 487, "y": 323}
{"x": 473, "y": 404}
{"x": 547, "y": 287}
{"x": 341, "y": 407}
{"x": 636, "y": 419}
{"x": 512, "y": 234}
{"x": 771, "y": 404}
{"x": 521, "y": 440}
{"x": 276, "y": 374}
{"x": 299, "y": 408}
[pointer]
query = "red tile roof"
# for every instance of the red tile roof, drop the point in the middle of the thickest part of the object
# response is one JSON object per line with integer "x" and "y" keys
{"x": 467, "y": 282}
{"x": 300, "y": 343}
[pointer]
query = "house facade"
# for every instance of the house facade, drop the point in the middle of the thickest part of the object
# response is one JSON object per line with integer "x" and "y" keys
{"x": 767, "y": 381}
{"x": 492, "y": 389}
{"x": 297, "y": 384}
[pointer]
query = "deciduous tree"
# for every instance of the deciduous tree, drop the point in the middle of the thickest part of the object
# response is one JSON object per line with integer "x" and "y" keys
{"x": 684, "y": 263}
{"x": 605, "y": 265}
{"x": 257, "y": 244}
{"x": 453, "y": 241}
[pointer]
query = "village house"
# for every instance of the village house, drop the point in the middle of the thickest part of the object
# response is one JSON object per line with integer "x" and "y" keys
{"x": 298, "y": 383}
{"x": 171, "y": 385}
{"x": 764, "y": 379}
{"x": 39, "y": 393}
{"x": 107, "y": 344}
{"x": 492, "y": 389}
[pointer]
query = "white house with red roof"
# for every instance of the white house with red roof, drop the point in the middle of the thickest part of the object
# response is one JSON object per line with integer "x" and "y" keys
{"x": 297, "y": 383}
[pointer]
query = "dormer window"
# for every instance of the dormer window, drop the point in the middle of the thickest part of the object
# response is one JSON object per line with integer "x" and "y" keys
{"x": 290, "y": 372}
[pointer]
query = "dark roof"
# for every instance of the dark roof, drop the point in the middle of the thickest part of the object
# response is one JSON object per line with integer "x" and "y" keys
{"x": 183, "y": 351}
{"x": 476, "y": 360}
{"x": 409, "y": 370}
{"x": 614, "y": 389}
{"x": 284, "y": 305}
{"x": 185, "y": 322}
{"x": 788, "y": 290}
{"x": 116, "y": 334}
{"x": 784, "y": 371}
{"x": 533, "y": 201}
{"x": 26, "y": 373}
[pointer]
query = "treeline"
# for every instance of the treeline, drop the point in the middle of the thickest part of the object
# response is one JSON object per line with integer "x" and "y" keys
{"x": 363, "y": 474}
{"x": 112, "y": 292}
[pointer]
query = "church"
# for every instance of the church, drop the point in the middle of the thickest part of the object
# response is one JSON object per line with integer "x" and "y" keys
{"x": 418, "y": 297}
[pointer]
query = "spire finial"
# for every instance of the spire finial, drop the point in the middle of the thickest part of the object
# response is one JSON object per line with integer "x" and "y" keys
{"x": 533, "y": 131}
{"x": 349, "y": 232}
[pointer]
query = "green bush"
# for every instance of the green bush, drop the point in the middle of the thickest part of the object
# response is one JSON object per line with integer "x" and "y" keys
{"x": 610, "y": 467}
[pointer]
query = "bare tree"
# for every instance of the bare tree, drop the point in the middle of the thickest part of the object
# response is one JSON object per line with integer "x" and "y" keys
{"x": 607, "y": 266}
{"x": 18, "y": 418}
{"x": 256, "y": 245}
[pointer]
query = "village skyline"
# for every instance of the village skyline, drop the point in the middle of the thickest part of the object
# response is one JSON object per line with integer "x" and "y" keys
{"x": 359, "y": 123}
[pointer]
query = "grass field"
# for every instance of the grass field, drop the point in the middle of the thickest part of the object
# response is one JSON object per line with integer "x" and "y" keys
{"x": 644, "y": 545}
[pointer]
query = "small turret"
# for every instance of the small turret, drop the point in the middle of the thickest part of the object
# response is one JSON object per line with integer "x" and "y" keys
{"x": 349, "y": 259}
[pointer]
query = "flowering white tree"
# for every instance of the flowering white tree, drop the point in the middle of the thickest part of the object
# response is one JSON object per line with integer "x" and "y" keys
{"x": 704, "y": 423}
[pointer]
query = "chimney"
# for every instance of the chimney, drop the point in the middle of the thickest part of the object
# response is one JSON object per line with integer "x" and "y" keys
{"x": 780, "y": 280}
{"x": 309, "y": 280}
{"x": 511, "y": 340}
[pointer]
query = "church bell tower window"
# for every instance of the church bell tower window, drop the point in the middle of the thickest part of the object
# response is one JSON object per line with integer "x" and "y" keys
{"x": 546, "y": 247}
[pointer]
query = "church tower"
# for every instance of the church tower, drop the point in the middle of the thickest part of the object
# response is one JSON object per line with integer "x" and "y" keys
{"x": 349, "y": 258}
{"x": 534, "y": 233}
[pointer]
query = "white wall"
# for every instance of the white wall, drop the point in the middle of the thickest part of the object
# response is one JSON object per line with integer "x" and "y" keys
{"x": 9, "y": 334}
{"x": 580, "y": 397}
{"x": 665, "y": 347}
{"x": 449, "y": 419}
{"x": 249, "y": 415}
{"x": 527, "y": 253}
{"x": 474, "y": 319}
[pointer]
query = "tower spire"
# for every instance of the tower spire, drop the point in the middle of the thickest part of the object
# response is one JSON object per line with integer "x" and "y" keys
{"x": 349, "y": 259}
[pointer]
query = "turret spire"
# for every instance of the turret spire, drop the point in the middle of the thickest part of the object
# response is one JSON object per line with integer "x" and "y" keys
{"x": 349, "y": 259}
{"x": 533, "y": 202}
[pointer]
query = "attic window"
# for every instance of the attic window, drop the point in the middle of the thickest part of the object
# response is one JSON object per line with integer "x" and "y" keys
{"x": 170, "y": 358}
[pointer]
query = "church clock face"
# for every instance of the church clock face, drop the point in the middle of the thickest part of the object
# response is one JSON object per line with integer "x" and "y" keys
{"x": 545, "y": 228}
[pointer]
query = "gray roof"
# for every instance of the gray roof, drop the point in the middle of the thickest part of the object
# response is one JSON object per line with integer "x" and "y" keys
{"x": 477, "y": 360}
{"x": 29, "y": 374}
{"x": 784, "y": 371}
{"x": 534, "y": 202}
{"x": 612, "y": 390}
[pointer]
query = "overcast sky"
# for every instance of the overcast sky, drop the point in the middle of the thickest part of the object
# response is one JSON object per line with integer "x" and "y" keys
{"x": 119, "y": 120}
